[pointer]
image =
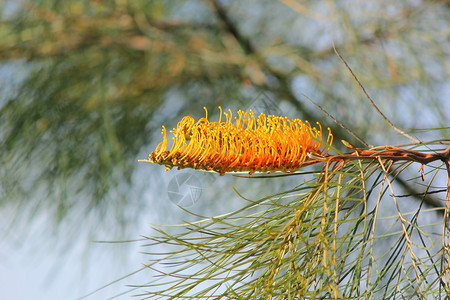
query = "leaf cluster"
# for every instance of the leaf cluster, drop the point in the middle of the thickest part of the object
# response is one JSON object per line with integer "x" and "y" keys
{"x": 331, "y": 237}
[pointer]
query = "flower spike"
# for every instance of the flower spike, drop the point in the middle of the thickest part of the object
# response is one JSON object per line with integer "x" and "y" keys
{"x": 243, "y": 143}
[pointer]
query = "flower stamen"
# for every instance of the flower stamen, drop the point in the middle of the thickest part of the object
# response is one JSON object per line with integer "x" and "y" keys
{"x": 254, "y": 144}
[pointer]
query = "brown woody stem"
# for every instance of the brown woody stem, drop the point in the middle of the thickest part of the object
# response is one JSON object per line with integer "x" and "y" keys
{"x": 392, "y": 153}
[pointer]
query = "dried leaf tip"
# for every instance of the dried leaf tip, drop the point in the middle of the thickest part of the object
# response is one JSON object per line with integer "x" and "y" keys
{"x": 243, "y": 143}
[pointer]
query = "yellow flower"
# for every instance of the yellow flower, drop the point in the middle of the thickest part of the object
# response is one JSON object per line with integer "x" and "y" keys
{"x": 243, "y": 143}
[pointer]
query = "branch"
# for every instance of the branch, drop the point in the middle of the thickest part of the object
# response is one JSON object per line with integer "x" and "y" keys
{"x": 337, "y": 122}
{"x": 372, "y": 102}
{"x": 398, "y": 154}
{"x": 391, "y": 153}
{"x": 424, "y": 196}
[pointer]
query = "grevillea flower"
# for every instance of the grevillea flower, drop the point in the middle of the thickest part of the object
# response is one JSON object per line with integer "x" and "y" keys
{"x": 243, "y": 143}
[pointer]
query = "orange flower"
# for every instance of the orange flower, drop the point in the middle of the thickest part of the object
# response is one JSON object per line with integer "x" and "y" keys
{"x": 244, "y": 143}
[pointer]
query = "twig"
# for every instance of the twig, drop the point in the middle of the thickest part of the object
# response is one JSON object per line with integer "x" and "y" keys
{"x": 425, "y": 196}
{"x": 372, "y": 102}
{"x": 391, "y": 153}
{"x": 422, "y": 194}
{"x": 337, "y": 122}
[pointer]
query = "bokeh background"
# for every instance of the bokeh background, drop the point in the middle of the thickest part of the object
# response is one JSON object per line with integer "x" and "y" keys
{"x": 86, "y": 85}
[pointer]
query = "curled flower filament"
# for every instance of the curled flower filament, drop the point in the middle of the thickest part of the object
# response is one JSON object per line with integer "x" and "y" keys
{"x": 242, "y": 143}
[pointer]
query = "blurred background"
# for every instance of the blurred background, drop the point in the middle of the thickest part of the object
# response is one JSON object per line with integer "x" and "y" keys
{"x": 86, "y": 85}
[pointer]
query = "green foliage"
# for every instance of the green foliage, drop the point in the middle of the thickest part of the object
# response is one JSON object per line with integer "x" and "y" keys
{"x": 331, "y": 237}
